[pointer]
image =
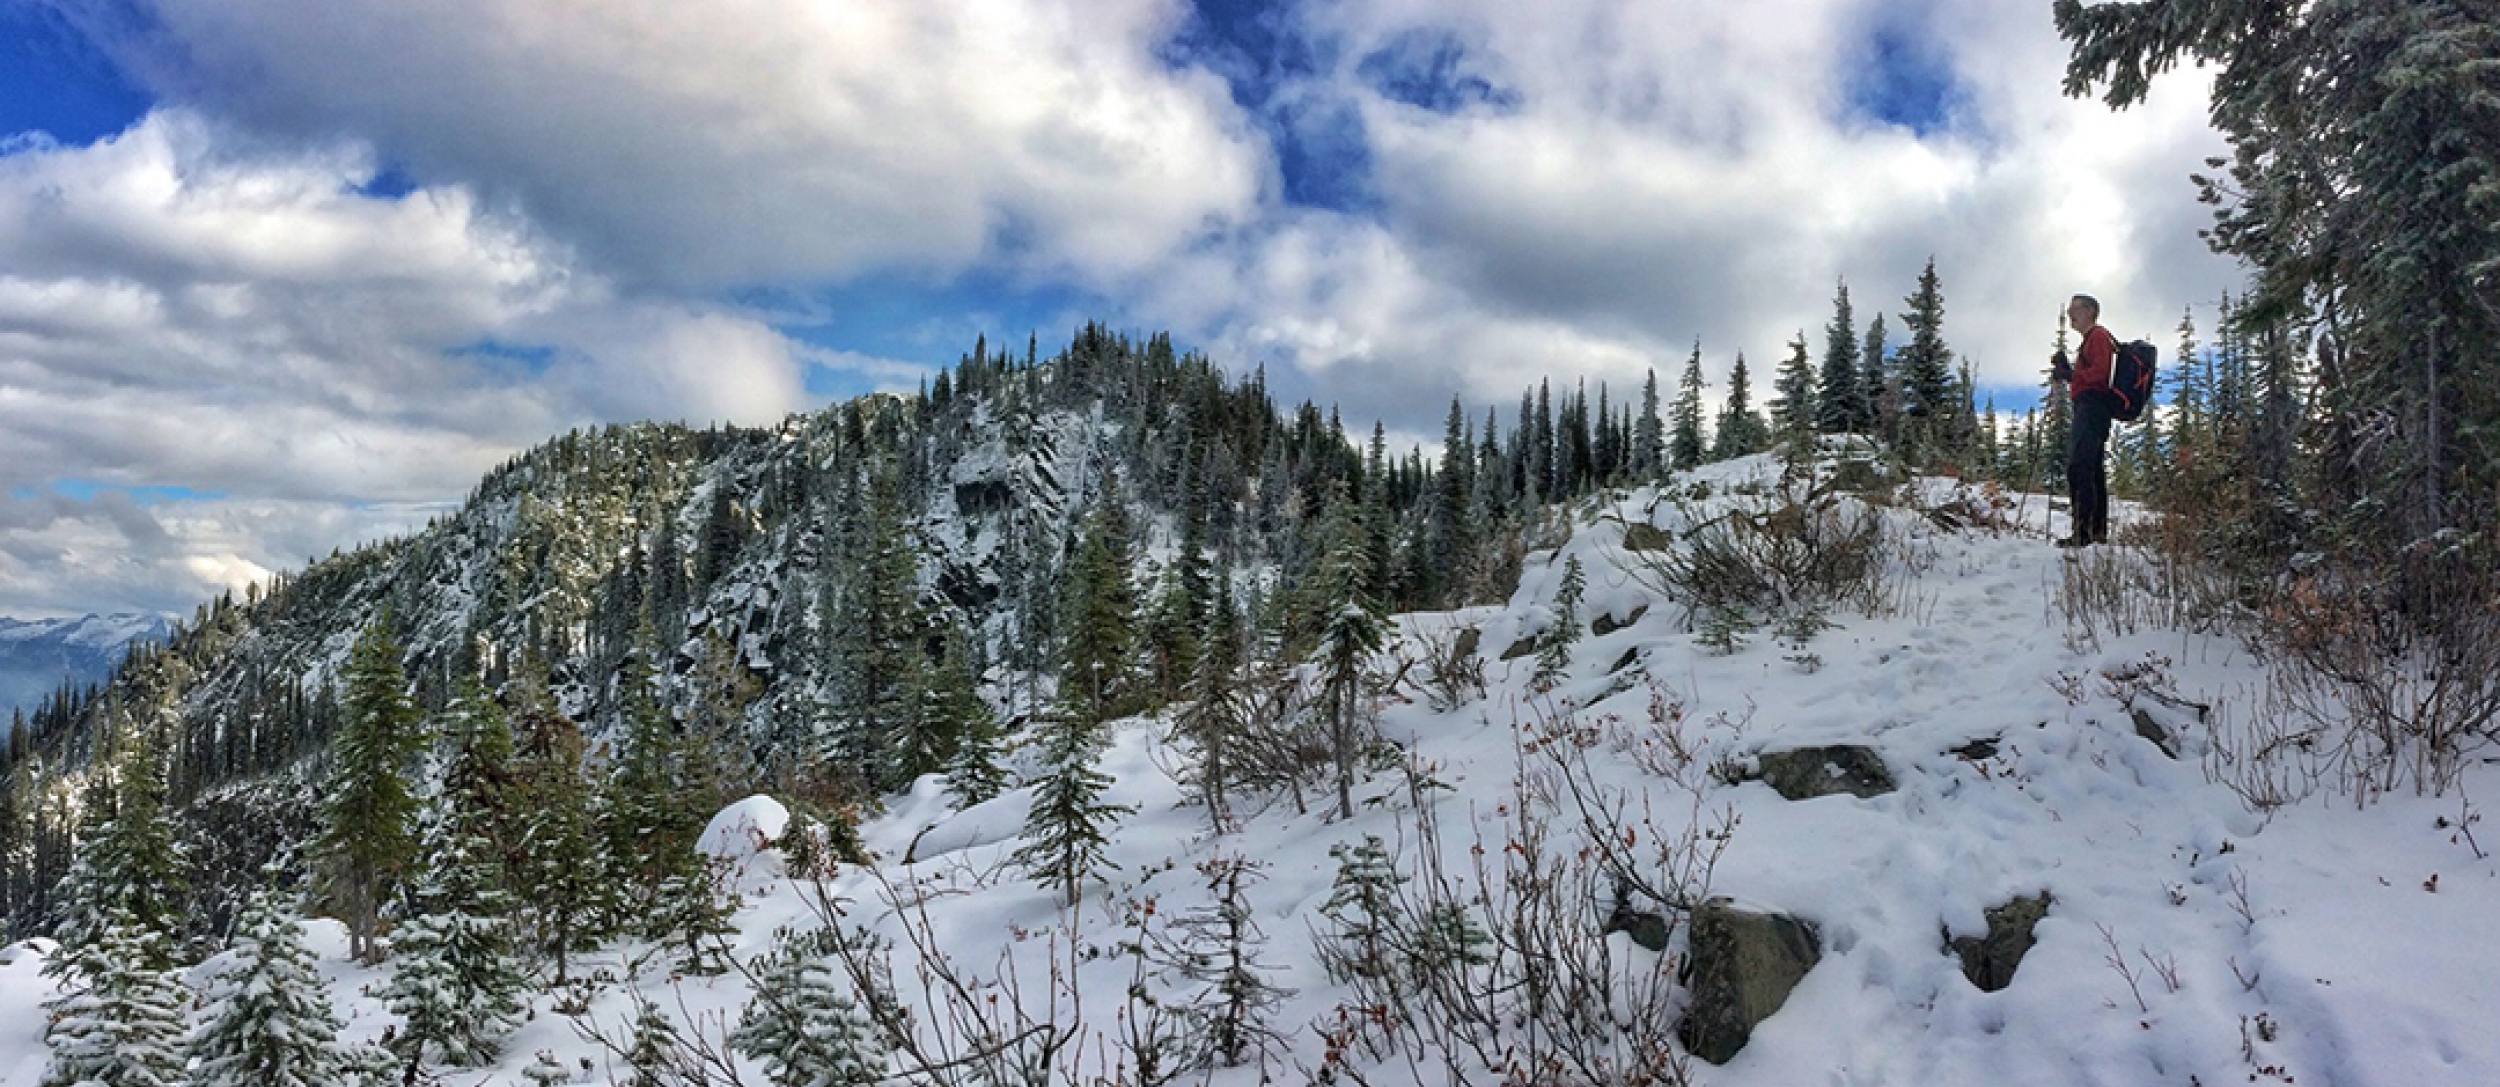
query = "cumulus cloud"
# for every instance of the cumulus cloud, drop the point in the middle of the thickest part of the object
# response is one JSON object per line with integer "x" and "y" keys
{"x": 758, "y": 141}
{"x": 221, "y": 300}
{"x": 182, "y": 308}
{"x": 1627, "y": 178}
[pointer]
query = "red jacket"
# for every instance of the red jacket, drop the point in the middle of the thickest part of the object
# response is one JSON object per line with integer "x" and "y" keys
{"x": 2094, "y": 363}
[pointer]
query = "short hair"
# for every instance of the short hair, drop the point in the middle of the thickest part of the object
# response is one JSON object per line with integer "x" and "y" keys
{"x": 2090, "y": 303}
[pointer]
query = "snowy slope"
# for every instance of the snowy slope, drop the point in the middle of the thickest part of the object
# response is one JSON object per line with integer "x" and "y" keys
{"x": 2191, "y": 940}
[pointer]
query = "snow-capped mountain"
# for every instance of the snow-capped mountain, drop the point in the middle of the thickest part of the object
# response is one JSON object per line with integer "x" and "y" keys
{"x": 40, "y": 656}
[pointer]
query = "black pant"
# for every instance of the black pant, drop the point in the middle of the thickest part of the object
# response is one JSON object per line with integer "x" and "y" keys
{"x": 2087, "y": 467}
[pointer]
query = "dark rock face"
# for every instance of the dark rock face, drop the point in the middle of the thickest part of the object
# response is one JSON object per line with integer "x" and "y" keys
{"x": 1640, "y": 537}
{"x": 1989, "y": 961}
{"x": 1809, "y": 772}
{"x": 1629, "y": 658}
{"x": 984, "y": 496}
{"x": 2151, "y": 729}
{"x": 1743, "y": 967}
{"x": 1606, "y": 624}
{"x": 1469, "y": 639}
{"x": 1648, "y": 928}
{"x": 1520, "y": 648}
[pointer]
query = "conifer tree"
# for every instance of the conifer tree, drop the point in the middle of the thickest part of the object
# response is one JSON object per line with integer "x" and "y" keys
{"x": 1841, "y": 403}
{"x": 1219, "y": 948}
{"x": 652, "y": 1060}
{"x": 268, "y": 1020}
{"x": 456, "y": 982}
{"x": 125, "y": 1027}
{"x": 1685, "y": 448}
{"x": 879, "y": 630}
{"x": 1450, "y": 534}
{"x": 1648, "y": 430}
{"x": 1363, "y": 909}
{"x": 1212, "y": 720}
{"x": 804, "y": 1028}
{"x": 129, "y": 865}
{"x": 369, "y": 837}
{"x": 564, "y": 874}
{"x": 1927, "y": 369}
{"x": 1876, "y": 383}
{"x": 951, "y": 708}
{"x": 1741, "y": 431}
{"x": 1064, "y": 829}
{"x": 1100, "y": 613}
{"x": 1553, "y": 652}
{"x": 1351, "y": 632}
{"x": 1793, "y": 410}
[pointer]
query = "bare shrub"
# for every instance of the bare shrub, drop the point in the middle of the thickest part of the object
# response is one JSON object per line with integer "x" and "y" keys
{"x": 2399, "y": 675}
{"x": 1802, "y": 548}
{"x": 1504, "y": 973}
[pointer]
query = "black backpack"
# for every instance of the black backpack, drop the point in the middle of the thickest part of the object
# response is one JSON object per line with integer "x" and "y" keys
{"x": 2131, "y": 377}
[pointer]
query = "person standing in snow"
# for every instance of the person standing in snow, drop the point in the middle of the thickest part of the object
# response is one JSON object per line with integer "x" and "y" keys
{"x": 2087, "y": 460}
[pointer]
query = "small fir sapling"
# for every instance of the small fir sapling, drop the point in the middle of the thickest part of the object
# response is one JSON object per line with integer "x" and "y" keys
{"x": 268, "y": 1020}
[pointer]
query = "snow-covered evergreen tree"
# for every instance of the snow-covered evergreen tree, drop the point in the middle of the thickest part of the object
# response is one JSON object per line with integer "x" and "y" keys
{"x": 1064, "y": 830}
{"x": 456, "y": 981}
{"x": 1553, "y": 652}
{"x": 1351, "y": 633}
{"x": 268, "y": 1020}
{"x": 1841, "y": 403}
{"x": 128, "y": 864}
{"x": 804, "y": 1028}
{"x": 368, "y": 840}
{"x": 1363, "y": 909}
{"x": 1685, "y": 448}
{"x": 126, "y": 1027}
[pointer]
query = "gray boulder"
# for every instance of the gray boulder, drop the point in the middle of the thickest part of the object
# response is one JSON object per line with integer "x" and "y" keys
{"x": 1808, "y": 772}
{"x": 1641, "y": 537}
{"x": 1606, "y": 624}
{"x": 1743, "y": 965}
{"x": 1989, "y": 961}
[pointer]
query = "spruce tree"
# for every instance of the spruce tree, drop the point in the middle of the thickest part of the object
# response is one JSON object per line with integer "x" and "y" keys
{"x": 1648, "y": 430}
{"x": 129, "y": 864}
{"x": 1793, "y": 410}
{"x": 952, "y": 707}
{"x": 1553, "y": 652}
{"x": 125, "y": 1027}
{"x": 804, "y": 1028}
{"x": 1099, "y": 614}
{"x": 1064, "y": 835}
{"x": 564, "y": 874}
{"x": 1686, "y": 447}
{"x": 1212, "y": 719}
{"x": 268, "y": 1020}
{"x": 1741, "y": 431}
{"x": 1927, "y": 369}
{"x": 1363, "y": 910}
{"x": 1883, "y": 408}
{"x": 1841, "y": 403}
{"x": 456, "y": 981}
{"x": 1352, "y": 630}
{"x": 369, "y": 837}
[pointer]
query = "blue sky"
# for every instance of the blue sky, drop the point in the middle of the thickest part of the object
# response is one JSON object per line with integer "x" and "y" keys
{"x": 362, "y": 255}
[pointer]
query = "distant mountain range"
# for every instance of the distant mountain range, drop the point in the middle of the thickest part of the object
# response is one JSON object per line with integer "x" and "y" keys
{"x": 37, "y": 655}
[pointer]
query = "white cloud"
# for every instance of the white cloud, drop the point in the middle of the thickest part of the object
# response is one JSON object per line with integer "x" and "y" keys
{"x": 211, "y": 301}
{"x": 177, "y": 313}
{"x": 1678, "y": 171}
{"x": 759, "y": 141}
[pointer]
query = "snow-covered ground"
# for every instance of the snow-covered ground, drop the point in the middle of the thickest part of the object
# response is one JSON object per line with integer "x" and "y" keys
{"x": 2190, "y": 940}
